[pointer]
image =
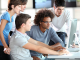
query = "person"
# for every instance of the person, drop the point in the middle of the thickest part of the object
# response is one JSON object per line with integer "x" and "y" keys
{"x": 42, "y": 31}
{"x": 21, "y": 43}
{"x": 22, "y": 10}
{"x": 61, "y": 20}
{"x": 6, "y": 19}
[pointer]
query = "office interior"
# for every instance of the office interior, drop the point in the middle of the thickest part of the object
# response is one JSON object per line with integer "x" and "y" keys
{"x": 74, "y": 11}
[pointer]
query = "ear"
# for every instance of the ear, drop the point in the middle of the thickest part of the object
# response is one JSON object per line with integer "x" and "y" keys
{"x": 12, "y": 6}
{"x": 23, "y": 25}
{"x": 54, "y": 7}
{"x": 40, "y": 22}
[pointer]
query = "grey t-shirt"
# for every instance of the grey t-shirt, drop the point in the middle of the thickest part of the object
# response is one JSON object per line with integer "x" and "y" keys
{"x": 17, "y": 41}
{"x": 45, "y": 37}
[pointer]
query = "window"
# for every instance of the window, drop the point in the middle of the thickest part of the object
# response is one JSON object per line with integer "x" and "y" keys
{"x": 3, "y": 6}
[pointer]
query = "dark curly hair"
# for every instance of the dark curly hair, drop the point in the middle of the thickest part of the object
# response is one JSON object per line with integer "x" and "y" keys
{"x": 41, "y": 14}
{"x": 58, "y": 3}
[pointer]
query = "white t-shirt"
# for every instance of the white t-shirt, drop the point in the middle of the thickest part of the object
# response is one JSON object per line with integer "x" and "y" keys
{"x": 62, "y": 22}
{"x": 17, "y": 51}
{"x": 13, "y": 23}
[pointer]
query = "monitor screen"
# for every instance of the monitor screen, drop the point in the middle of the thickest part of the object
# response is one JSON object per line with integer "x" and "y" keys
{"x": 42, "y": 4}
{"x": 70, "y": 3}
{"x": 72, "y": 31}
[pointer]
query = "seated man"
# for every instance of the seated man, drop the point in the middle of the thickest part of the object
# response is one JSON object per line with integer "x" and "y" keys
{"x": 21, "y": 43}
{"x": 42, "y": 31}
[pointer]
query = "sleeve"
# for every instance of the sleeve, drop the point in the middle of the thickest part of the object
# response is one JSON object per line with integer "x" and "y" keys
{"x": 21, "y": 41}
{"x": 6, "y": 17}
{"x": 68, "y": 20}
{"x": 55, "y": 38}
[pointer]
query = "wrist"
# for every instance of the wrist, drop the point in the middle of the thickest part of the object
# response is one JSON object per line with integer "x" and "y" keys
{"x": 6, "y": 46}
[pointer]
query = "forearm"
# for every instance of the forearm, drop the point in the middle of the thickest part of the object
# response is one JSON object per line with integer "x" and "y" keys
{"x": 3, "y": 41}
{"x": 9, "y": 37}
{"x": 44, "y": 45}
{"x": 56, "y": 45}
{"x": 45, "y": 50}
{"x": 39, "y": 43}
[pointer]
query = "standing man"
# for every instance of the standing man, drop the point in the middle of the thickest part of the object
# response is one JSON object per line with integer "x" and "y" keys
{"x": 61, "y": 19}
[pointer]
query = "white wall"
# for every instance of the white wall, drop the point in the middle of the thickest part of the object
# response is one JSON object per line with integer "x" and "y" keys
{"x": 29, "y": 4}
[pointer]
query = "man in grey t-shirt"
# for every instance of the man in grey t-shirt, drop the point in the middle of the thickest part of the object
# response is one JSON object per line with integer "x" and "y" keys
{"x": 42, "y": 31}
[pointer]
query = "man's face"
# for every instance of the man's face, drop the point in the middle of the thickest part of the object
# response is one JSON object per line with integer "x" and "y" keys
{"x": 59, "y": 10}
{"x": 28, "y": 25}
{"x": 45, "y": 24}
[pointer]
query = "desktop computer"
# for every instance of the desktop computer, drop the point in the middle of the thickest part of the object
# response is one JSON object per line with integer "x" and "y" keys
{"x": 72, "y": 32}
{"x": 72, "y": 36}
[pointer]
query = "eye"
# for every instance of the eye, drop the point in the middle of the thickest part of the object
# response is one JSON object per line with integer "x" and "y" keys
{"x": 19, "y": 5}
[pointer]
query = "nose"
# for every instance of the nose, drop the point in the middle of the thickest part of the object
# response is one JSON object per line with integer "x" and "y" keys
{"x": 25, "y": 6}
{"x": 61, "y": 11}
{"x": 49, "y": 23}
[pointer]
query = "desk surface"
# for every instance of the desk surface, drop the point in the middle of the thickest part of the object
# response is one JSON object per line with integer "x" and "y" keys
{"x": 71, "y": 55}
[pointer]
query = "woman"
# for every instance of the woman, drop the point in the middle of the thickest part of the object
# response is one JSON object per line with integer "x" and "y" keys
{"x": 6, "y": 19}
{"x": 22, "y": 11}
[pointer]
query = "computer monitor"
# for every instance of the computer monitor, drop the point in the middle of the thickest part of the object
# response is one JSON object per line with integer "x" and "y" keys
{"x": 70, "y": 3}
{"x": 72, "y": 32}
{"x": 37, "y": 4}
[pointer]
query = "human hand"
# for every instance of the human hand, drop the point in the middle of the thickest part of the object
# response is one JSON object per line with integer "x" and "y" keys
{"x": 7, "y": 51}
{"x": 63, "y": 51}
{"x": 75, "y": 46}
{"x": 35, "y": 58}
{"x": 59, "y": 48}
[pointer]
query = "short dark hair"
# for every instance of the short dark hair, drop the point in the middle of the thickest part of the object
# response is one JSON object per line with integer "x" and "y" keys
{"x": 20, "y": 19}
{"x": 41, "y": 14}
{"x": 58, "y": 3}
{"x": 24, "y": 2}
{"x": 14, "y": 2}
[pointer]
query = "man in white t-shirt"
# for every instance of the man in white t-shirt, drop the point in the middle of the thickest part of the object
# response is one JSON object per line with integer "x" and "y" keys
{"x": 61, "y": 20}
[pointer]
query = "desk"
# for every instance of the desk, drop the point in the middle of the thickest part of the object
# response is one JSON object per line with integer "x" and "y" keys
{"x": 71, "y": 56}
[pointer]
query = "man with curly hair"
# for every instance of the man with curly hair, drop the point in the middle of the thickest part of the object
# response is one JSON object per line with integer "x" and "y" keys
{"x": 42, "y": 31}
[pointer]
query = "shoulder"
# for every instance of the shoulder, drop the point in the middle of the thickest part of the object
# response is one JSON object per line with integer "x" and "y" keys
{"x": 66, "y": 12}
{"x": 5, "y": 16}
{"x": 18, "y": 35}
{"x": 52, "y": 10}
{"x": 51, "y": 29}
{"x": 34, "y": 27}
